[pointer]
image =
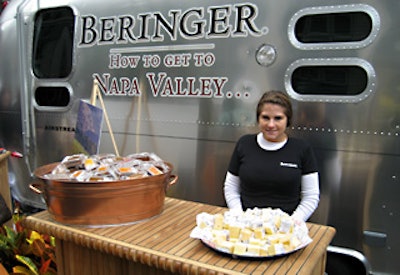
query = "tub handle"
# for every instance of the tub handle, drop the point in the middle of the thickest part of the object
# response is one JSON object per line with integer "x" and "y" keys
{"x": 36, "y": 187}
{"x": 173, "y": 179}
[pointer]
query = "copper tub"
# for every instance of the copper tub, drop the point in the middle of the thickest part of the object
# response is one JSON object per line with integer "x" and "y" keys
{"x": 103, "y": 203}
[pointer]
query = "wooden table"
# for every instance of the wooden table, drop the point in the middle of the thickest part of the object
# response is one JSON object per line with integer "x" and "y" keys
{"x": 162, "y": 245}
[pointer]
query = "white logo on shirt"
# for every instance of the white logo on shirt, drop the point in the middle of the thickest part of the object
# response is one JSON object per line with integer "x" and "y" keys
{"x": 292, "y": 165}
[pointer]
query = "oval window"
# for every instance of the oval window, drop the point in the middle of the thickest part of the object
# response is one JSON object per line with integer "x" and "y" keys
{"x": 52, "y": 96}
{"x": 333, "y": 27}
{"x": 53, "y": 43}
{"x": 329, "y": 80}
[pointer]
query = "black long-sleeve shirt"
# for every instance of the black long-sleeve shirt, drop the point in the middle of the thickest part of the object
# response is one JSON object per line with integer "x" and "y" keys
{"x": 271, "y": 178}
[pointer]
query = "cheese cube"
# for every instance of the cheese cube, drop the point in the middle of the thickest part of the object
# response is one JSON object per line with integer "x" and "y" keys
{"x": 264, "y": 250}
{"x": 259, "y": 233}
{"x": 255, "y": 241}
{"x": 245, "y": 235}
{"x": 277, "y": 220}
{"x": 269, "y": 228}
{"x": 273, "y": 239}
{"x": 218, "y": 221}
{"x": 276, "y": 249}
{"x": 284, "y": 238}
{"x": 286, "y": 225}
{"x": 225, "y": 246}
{"x": 220, "y": 235}
{"x": 294, "y": 243}
{"x": 239, "y": 248}
{"x": 253, "y": 249}
{"x": 234, "y": 232}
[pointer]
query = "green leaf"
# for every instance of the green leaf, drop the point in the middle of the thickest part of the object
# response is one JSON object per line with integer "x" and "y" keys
{"x": 4, "y": 242}
{"x": 52, "y": 241}
{"x": 22, "y": 270}
{"x": 11, "y": 235}
{"x": 29, "y": 263}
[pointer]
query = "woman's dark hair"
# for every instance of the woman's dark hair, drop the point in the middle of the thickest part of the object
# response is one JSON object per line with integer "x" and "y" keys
{"x": 279, "y": 98}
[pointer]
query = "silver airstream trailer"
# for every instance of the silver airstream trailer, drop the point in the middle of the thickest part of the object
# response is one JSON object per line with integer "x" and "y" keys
{"x": 181, "y": 78}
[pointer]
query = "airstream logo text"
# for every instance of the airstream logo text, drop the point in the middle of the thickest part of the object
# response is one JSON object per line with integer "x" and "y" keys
{"x": 236, "y": 20}
{"x": 59, "y": 128}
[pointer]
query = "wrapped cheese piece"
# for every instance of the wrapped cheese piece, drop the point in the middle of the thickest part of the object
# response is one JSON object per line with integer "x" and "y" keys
{"x": 108, "y": 167}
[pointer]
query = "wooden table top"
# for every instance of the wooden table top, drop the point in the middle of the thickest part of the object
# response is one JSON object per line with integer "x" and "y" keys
{"x": 164, "y": 242}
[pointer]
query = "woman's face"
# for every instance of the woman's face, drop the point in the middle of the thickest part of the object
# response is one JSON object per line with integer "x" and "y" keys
{"x": 273, "y": 122}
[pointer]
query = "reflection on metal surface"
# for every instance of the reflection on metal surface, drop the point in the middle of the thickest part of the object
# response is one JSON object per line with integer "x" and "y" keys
{"x": 190, "y": 93}
{"x": 373, "y": 238}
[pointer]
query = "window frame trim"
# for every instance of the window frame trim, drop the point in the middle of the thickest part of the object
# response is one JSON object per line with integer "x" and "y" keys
{"x": 368, "y": 91}
{"x": 74, "y": 13}
{"x": 374, "y": 15}
{"x": 53, "y": 84}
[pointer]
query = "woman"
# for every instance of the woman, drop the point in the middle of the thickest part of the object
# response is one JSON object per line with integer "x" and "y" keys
{"x": 270, "y": 169}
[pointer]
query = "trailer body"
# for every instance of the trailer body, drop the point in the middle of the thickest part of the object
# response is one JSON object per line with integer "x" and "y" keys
{"x": 182, "y": 80}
